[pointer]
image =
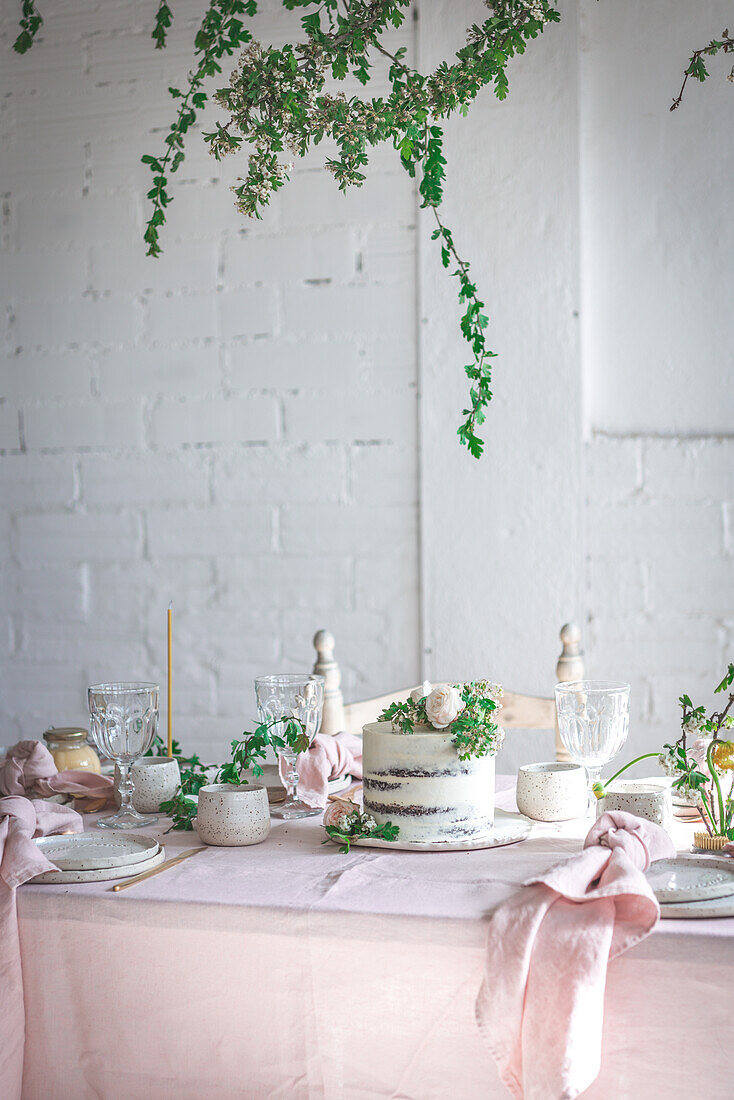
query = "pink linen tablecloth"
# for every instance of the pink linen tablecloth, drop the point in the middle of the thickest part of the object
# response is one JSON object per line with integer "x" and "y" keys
{"x": 288, "y": 970}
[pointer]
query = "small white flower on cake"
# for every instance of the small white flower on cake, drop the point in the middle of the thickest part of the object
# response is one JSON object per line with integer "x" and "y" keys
{"x": 443, "y": 705}
{"x": 421, "y": 692}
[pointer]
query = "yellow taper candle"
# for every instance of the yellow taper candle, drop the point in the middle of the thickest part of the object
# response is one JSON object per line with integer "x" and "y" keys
{"x": 170, "y": 681}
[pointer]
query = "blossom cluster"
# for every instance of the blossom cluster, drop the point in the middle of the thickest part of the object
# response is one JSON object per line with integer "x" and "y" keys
{"x": 467, "y": 710}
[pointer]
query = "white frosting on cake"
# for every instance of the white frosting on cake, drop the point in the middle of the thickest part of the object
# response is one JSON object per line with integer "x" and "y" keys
{"x": 418, "y": 782}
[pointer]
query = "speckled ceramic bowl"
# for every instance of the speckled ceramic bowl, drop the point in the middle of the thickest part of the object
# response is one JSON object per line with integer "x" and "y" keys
{"x": 155, "y": 779}
{"x": 640, "y": 797}
{"x": 555, "y": 791}
{"x": 230, "y": 815}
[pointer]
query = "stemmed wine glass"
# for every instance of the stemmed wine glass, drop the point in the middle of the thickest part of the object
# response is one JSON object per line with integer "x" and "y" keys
{"x": 124, "y": 719}
{"x": 291, "y": 696}
{"x": 593, "y": 721}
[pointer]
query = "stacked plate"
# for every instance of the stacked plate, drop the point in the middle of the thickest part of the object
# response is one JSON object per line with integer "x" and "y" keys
{"x": 693, "y": 886}
{"x": 95, "y": 856}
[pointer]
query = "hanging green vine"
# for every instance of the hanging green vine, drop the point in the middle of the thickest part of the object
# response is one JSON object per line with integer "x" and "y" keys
{"x": 281, "y": 102}
{"x": 31, "y": 22}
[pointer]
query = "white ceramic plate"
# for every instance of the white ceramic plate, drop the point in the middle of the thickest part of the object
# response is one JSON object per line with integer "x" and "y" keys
{"x": 691, "y": 878}
{"x": 698, "y": 910}
{"x": 97, "y": 850}
{"x": 101, "y": 874}
{"x": 508, "y": 829}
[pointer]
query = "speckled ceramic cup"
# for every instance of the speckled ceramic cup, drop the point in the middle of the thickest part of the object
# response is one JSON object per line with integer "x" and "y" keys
{"x": 640, "y": 797}
{"x": 155, "y": 779}
{"x": 230, "y": 815}
{"x": 555, "y": 791}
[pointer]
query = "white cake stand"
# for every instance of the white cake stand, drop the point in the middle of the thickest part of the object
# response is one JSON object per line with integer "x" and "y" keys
{"x": 508, "y": 829}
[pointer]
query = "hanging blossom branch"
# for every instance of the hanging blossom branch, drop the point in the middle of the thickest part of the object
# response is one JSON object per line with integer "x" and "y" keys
{"x": 278, "y": 102}
{"x": 31, "y": 22}
{"x": 220, "y": 34}
{"x": 696, "y": 67}
{"x": 163, "y": 20}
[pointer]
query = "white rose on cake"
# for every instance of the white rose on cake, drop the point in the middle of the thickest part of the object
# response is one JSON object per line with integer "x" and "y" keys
{"x": 443, "y": 705}
{"x": 421, "y": 692}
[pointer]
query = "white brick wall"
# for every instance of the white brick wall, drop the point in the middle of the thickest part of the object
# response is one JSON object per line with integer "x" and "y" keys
{"x": 234, "y": 426}
{"x": 660, "y": 575}
{"x": 231, "y": 427}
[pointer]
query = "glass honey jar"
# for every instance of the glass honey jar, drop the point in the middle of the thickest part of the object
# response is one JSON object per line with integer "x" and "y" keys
{"x": 69, "y": 747}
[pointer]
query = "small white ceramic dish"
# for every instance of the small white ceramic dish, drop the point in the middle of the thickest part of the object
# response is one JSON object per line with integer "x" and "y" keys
{"x": 101, "y": 874}
{"x": 553, "y": 791}
{"x": 94, "y": 851}
{"x": 691, "y": 878}
{"x": 698, "y": 910}
{"x": 233, "y": 815}
{"x": 642, "y": 797}
{"x": 508, "y": 829}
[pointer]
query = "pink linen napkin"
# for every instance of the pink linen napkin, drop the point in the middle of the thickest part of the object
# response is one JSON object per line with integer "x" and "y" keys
{"x": 29, "y": 768}
{"x": 541, "y": 1004}
{"x": 20, "y": 859}
{"x": 327, "y": 758}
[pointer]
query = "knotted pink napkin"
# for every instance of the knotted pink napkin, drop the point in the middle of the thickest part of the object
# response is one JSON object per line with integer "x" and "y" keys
{"x": 20, "y": 859}
{"x": 541, "y": 1005}
{"x": 29, "y": 768}
{"x": 327, "y": 758}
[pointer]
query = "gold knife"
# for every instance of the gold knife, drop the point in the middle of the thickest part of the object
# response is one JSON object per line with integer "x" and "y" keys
{"x": 155, "y": 870}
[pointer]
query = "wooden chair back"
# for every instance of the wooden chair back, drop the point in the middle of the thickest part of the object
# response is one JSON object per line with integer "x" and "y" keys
{"x": 523, "y": 712}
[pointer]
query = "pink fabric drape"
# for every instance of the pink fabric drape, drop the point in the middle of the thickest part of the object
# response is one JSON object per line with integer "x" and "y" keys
{"x": 29, "y": 768}
{"x": 20, "y": 860}
{"x": 327, "y": 758}
{"x": 541, "y": 1005}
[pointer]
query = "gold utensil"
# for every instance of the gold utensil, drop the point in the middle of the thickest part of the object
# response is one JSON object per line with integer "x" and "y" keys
{"x": 345, "y": 796}
{"x": 156, "y": 870}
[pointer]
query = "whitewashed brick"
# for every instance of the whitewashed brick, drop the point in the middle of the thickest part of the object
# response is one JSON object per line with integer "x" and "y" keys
{"x": 56, "y": 323}
{"x": 692, "y": 587}
{"x": 202, "y": 208}
{"x": 9, "y": 437}
{"x": 351, "y": 417}
{"x": 384, "y": 474}
{"x": 346, "y": 529}
{"x": 332, "y": 364}
{"x": 209, "y": 532}
{"x": 617, "y": 586}
{"x": 125, "y": 268}
{"x": 29, "y": 482}
{"x": 214, "y": 420}
{"x": 43, "y": 274}
{"x": 69, "y": 218}
{"x": 387, "y": 254}
{"x": 44, "y": 693}
{"x": 144, "y": 479}
{"x": 296, "y": 257}
{"x": 691, "y": 470}
{"x": 76, "y": 537}
{"x": 152, "y": 371}
{"x": 312, "y": 198}
{"x": 319, "y": 310}
{"x": 54, "y": 593}
{"x": 30, "y": 376}
{"x": 303, "y": 581}
{"x": 656, "y": 530}
{"x": 279, "y": 475}
{"x": 92, "y": 424}
{"x": 246, "y": 312}
{"x": 613, "y": 469}
{"x": 176, "y": 320}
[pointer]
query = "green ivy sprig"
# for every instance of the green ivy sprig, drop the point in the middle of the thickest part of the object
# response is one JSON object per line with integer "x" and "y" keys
{"x": 220, "y": 34}
{"x": 163, "y": 20}
{"x": 31, "y": 22}
{"x": 249, "y": 751}
{"x": 359, "y": 826}
{"x": 474, "y": 730}
{"x": 696, "y": 66}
